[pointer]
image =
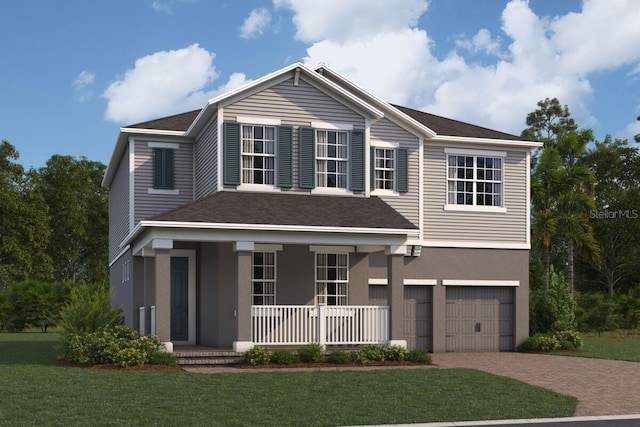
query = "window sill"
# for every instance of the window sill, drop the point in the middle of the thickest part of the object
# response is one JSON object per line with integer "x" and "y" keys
{"x": 266, "y": 188}
{"x": 471, "y": 208}
{"x": 163, "y": 192}
{"x": 327, "y": 191}
{"x": 382, "y": 192}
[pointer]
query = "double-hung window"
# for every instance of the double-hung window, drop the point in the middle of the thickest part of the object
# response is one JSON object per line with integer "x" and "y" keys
{"x": 263, "y": 278}
{"x": 258, "y": 154}
{"x": 475, "y": 179}
{"x": 332, "y": 278}
{"x": 332, "y": 158}
{"x": 385, "y": 168}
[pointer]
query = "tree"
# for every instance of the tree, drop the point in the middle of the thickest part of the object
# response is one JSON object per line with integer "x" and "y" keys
{"x": 616, "y": 217}
{"x": 548, "y": 122}
{"x": 24, "y": 223}
{"x": 78, "y": 205}
{"x": 636, "y": 138}
{"x": 562, "y": 189}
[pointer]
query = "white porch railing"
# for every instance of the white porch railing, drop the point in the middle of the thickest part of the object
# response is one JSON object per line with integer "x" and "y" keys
{"x": 305, "y": 324}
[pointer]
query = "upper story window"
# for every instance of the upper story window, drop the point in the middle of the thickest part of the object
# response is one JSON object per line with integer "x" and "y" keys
{"x": 475, "y": 179}
{"x": 385, "y": 168}
{"x": 258, "y": 154}
{"x": 263, "y": 278}
{"x": 163, "y": 168}
{"x": 332, "y": 158}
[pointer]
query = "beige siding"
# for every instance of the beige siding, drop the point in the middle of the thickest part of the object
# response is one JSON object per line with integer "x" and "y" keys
{"x": 294, "y": 106}
{"x": 408, "y": 203}
{"x": 206, "y": 160}
{"x": 148, "y": 205}
{"x": 441, "y": 225}
{"x": 119, "y": 206}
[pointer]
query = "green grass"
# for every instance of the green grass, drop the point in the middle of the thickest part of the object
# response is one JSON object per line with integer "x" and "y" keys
{"x": 34, "y": 392}
{"x": 619, "y": 345}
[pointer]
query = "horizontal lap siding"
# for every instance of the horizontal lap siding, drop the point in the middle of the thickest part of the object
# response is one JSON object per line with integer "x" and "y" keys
{"x": 295, "y": 106}
{"x": 206, "y": 160}
{"x": 119, "y": 206}
{"x": 148, "y": 205}
{"x": 510, "y": 227}
{"x": 408, "y": 203}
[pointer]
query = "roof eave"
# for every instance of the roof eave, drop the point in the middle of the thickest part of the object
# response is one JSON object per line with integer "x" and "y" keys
{"x": 492, "y": 141}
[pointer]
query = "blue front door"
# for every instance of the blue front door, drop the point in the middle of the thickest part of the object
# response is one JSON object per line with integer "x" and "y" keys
{"x": 179, "y": 299}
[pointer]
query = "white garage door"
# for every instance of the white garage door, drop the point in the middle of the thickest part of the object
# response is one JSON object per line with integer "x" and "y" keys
{"x": 479, "y": 318}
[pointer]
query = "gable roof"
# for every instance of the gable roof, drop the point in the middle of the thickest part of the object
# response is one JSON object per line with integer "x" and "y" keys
{"x": 450, "y": 127}
{"x": 177, "y": 122}
{"x": 305, "y": 210}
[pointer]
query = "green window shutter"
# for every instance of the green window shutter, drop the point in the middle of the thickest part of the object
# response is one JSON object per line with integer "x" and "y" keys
{"x": 356, "y": 161}
{"x": 285, "y": 136}
{"x": 163, "y": 169}
{"x": 372, "y": 169}
{"x": 231, "y": 150}
{"x": 402, "y": 170}
{"x": 307, "y": 158}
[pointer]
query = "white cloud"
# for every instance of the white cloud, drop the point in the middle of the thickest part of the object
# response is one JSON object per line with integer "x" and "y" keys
{"x": 255, "y": 23}
{"x": 82, "y": 85}
{"x": 166, "y": 6}
{"x": 345, "y": 20}
{"x": 536, "y": 57}
{"x": 165, "y": 83}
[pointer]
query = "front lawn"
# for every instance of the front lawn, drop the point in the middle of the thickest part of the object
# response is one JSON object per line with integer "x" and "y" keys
{"x": 34, "y": 392}
{"x": 618, "y": 345}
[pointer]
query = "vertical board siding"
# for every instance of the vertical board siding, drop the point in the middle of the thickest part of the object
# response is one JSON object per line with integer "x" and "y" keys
{"x": 509, "y": 227}
{"x": 119, "y": 206}
{"x": 295, "y": 106}
{"x": 148, "y": 205}
{"x": 407, "y": 204}
{"x": 206, "y": 160}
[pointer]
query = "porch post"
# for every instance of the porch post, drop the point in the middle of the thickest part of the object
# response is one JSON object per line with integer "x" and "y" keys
{"x": 243, "y": 310}
{"x": 163, "y": 296}
{"x": 395, "y": 294}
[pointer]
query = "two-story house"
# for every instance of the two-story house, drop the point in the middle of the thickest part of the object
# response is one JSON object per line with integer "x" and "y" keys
{"x": 300, "y": 208}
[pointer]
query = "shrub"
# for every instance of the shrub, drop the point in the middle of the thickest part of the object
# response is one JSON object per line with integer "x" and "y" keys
{"x": 552, "y": 309}
{"x": 257, "y": 356}
{"x": 540, "y": 342}
{"x": 283, "y": 357}
{"x": 311, "y": 353}
{"x": 338, "y": 358}
{"x": 89, "y": 309}
{"x": 394, "y": 353}
{"x": 419, "y": 355}
{"x": 368, "y": 354}
{"x": 596, "y": 313}
{"x": 568, "y": 340}
{"x": 113, "y": 345}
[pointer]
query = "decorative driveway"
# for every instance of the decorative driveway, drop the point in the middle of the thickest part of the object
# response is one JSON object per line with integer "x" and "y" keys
{"x": 603, "y": 387}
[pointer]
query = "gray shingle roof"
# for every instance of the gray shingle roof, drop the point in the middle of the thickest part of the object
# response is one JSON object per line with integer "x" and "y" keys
{"x": 450, "y": 127}
{"x": 229, "y": 207}
{"x": 440, "y": 125}
{"x": 177, "y": 122}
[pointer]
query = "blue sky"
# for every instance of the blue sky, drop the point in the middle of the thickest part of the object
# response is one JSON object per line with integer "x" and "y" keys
{"x": 73, "y": 72}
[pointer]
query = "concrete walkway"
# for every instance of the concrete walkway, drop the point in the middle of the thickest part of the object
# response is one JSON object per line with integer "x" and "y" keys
{"x": 603, "y": 387}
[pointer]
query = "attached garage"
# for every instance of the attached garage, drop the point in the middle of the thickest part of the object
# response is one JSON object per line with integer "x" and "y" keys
{"x": 418, "y": 317}
{"x": 479, "y": 318}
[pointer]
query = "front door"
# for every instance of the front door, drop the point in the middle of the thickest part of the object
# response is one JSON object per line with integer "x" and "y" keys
{"x": 179, "y": 298}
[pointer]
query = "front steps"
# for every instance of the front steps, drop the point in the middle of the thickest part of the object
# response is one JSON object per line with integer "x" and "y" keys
{"x": 202, "y": 357}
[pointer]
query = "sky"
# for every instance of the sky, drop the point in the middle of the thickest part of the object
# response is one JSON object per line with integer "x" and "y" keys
{"x": 73, "y": 72}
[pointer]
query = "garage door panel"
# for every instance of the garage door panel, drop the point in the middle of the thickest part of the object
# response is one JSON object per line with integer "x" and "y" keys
{"x": 418, "y": 314}
{"x": 479, "y": 318}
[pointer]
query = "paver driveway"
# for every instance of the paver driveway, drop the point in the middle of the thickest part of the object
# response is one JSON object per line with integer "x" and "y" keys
{"x": 603, "y": 387}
